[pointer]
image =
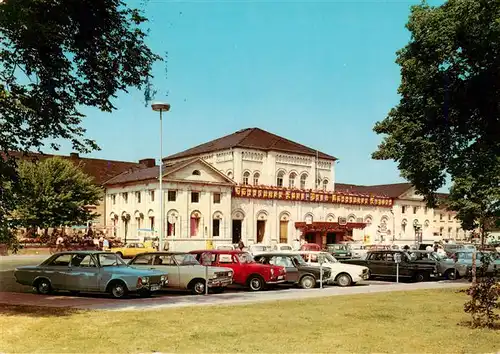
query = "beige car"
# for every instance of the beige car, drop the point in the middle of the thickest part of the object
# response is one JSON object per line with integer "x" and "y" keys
{"x": 184, "y": 271}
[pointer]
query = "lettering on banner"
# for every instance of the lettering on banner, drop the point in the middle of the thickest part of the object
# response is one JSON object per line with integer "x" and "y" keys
{"x": 254, "y": 192}
{"x": 237, "y": 191}
{"x": 275, "y": 194}
{"x": 264, "y": 194}
{"x": 259, "y": 194}
{"x": 243, "y": 192}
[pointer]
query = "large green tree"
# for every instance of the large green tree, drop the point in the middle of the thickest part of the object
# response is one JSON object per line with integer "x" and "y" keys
{"x": 447, "y": 122}
{"x": 57, "y": 57}
{"x": 53, "y": 193}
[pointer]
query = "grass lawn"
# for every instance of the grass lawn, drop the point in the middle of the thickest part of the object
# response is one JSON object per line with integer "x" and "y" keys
{"x": 416, "y": 321}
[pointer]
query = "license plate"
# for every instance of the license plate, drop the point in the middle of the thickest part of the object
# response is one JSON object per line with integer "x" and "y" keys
{"x": 281, "y": 277}
{"x": 155, "y": 287}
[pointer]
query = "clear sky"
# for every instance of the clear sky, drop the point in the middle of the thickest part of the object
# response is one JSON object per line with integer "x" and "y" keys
{"x": 320, "y": 73}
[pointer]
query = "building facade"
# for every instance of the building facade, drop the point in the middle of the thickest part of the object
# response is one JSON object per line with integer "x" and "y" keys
{"x": 258, "y": 187}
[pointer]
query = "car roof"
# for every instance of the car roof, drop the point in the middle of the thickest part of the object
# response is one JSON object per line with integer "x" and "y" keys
{"x": 83, "y": 252}
{"x": 163, "y": 252}
{"x": 274, "y": 253}
{"x": 218, "y": 251}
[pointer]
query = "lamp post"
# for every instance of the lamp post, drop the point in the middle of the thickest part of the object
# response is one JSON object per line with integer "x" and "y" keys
{"x": 160, "y": 107}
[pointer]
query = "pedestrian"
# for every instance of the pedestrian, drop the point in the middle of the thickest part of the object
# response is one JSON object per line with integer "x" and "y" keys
{"x": 105, "y": 244}
{"x": 59, "y": 243}
{"x": 241, "y": 245}
{"x": 156, "y": 244}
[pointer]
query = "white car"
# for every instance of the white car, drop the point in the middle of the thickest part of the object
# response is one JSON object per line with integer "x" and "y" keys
{"x": 257, "y": 248}
{"x": 342, "y": 274}
{"x": 282, "y": 247}
{"x": 226, "y": 247}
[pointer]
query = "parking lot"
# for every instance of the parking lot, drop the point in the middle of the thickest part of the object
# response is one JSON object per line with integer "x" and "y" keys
{"x": 14, "y": 294}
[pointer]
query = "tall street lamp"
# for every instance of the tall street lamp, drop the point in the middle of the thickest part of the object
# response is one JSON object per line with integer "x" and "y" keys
{"x": 160, "y": 107}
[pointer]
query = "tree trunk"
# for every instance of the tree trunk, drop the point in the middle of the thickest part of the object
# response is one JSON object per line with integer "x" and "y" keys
{"x": 473, "y": 267}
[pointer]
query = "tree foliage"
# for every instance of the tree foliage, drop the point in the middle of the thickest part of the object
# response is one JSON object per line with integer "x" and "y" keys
{"x": 53, "y": 193}
{"x": 447, "y": 122}
{"x": 56, "y": 57}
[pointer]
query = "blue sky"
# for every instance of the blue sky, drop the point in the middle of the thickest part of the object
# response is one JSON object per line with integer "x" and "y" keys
{"x": 319, "y": 73}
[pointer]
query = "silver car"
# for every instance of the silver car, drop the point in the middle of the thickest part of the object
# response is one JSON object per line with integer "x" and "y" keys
{"x": 90, "y": 271}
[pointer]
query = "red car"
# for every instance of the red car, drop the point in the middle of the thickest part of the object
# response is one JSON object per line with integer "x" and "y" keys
{"x": 310, "y": 247}
{"x": 247, "y": 272}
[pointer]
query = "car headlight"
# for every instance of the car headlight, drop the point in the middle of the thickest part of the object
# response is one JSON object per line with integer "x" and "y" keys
{"x": 145, "y": 280}
{"x": 163, "y": 278}
{"x": 214, "y": 276}
{"x": 230, "y": 274}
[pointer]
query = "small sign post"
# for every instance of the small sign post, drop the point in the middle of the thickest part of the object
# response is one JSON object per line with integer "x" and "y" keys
{"x": 397, "y": 259}
{"x": 206, "y": 260}
{"x": 321, "y": 260}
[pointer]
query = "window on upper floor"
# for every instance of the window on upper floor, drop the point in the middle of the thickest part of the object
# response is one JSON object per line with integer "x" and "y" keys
{"x": 113, "y": 199}
{"x": 291, "y": 180}
{"x": 196, "y": 173}
{"x": 303, "y": 180}
{"x": 256, "y": 177}
{"x": 318, "y": 183}
{"x": 415, "y": 209}
{"x": 171, "y": 196}
{"x": 230, "y": 174}
{"x": 152, "y": 195}
{"x": 246, "y": 177}
{"x": 449, "y": 217}
{"x": 125, "y": 197}
{"x": 403, "y": 209}
{"x": 138, "y": 197}
{"x": 195, "y": 197}
{"x": 216, "y": 198}
{"x": 441, "y": 217}
{"x": 325, "y": 184}
{"x": 279, "y": 178}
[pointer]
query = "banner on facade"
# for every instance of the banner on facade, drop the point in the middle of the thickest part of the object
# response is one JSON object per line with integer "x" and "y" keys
{"x": 310, "y": 196}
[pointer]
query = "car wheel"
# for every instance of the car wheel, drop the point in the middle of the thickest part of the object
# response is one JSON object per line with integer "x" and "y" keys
{"x": 255, "y": 283}
{"x": 343, "y": 280}
{"x": 43, "y": 287}
{"x": 119, "y": 254}
{"x": 118, "y": 290}
{"x": 307, "y": 282}
{"x": 145, "y": 293}
{"x": 198, "y": 287}
{"x": 450, "y": 274}
{"x": 420, "y": 277}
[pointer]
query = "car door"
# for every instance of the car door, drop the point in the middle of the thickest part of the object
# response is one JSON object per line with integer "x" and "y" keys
{"x": 83, "y": 273}
{"x": 230, "y": 261}
{"x": 58, "y": 271}
{"x": 167, "y": 263}
{"x": 292, "y": 272}
{"x": 375, "y": 262}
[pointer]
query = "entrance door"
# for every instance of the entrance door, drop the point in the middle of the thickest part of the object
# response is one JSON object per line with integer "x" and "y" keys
{"x": 331, "y": 238}
{"x": 261, "y": 229}
{"x": 310, "y": 237}
{"x": 236, "y": 231}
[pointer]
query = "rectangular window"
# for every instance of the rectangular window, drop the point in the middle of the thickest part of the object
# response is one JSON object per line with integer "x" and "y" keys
{"x": 152, "y": 195}
{"x": 138, "y": 197}
{"x": 172, "y": 196}
{"x": 216, "y": 227}
{"x": 283, "y": 231}
{"x": 415, "y": 209}
{"x": 113, "y": 199}
{"x": 441, "y": 231}
{"x": 403, "y": 209}
{"x": 449, "y": 217}
{"x": 216, "y": 198}
{"x": 195, "y": 197}
{"x": 426, "y": 210}
{"x": 125, "y": 197}
{"x": 152, "y": 222}
{"x": 441, "y": 217}
{"x": 449, "y": 232}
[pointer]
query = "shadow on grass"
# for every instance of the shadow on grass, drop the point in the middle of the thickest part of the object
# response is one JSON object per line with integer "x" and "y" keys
{"x": 36, "y": 311}
{"x": 469, "y": 324}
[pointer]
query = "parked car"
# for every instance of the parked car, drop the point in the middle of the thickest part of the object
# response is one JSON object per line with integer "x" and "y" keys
{"x": 185, "y": 272}
{"x": 227, "y": 247}
{"x": 285, "y": 247}
{"x": 446, "y": 267}
{"x": 465, "y": 258}
{"x": 257, "y": 248}
{"x": 310, "y": 247}
{"x": 341, "y": 274}
{"x": 247, "y": 272}
{"x": 90, "y": 271}
{"x": 382, "y": 264}
{"x": 132, "y": 249}
{"x": 358, "y": 250}
{"x": 297, "y": 270}
{"x": 339, "y": 251}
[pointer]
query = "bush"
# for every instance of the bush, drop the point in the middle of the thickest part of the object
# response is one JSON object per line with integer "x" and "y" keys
{"x": 484, "y": 302}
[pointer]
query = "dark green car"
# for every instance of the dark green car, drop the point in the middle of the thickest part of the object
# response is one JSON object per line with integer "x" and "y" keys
{"x": 339, "y": 251}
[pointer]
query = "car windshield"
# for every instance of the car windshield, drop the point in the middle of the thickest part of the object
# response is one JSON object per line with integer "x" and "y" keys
{"x": 110, "y": 260}
{"x": 245, "y": 257}
{"x": 185, "y": 259}
{"x": 329, "y": 258}
{"x": 299, "y": 260}
{"x": 338, "y": 247}
{"x": 285, "y": 248}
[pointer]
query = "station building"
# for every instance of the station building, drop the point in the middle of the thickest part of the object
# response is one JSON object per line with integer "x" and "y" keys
{"x": 263, "y": 188}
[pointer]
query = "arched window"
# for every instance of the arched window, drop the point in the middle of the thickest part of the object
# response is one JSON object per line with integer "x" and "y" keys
{"x": 325, "y": 184}
{"x": 318, "y": 183}
{"x": 195, "y": 223}
{"x": 279, "y": 179}
{"x": 291, "y": 180}
{"x": 196, "y": 173}
{"x": 256, "y": 177}
{"x": 230, "y": 174}
{"x": 246, "y": 176}
{"x": 303, "y": 180}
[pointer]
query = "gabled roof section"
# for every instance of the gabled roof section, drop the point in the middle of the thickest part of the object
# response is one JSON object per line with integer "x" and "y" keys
{"x": 100, "y": 170}
{"x": 393, "y": 190}
{"x": 251, "y": 138}
{"x": 152, "y": 173}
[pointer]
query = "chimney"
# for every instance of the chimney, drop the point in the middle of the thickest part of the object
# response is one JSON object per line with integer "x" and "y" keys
{"x": 74, "y": 155}
{"x": 148, "y": 162}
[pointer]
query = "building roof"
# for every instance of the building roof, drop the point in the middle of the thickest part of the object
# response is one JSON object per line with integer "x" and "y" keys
{"x": 393, "y": 190}
{"x": 100, "y": 170}
{"x": 251, "y": 138}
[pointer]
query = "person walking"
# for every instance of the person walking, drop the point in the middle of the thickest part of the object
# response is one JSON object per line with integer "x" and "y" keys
{"x": 105, "y": 244}
{"x": 59, "y": 243}
{"x": 241, "y": 245}
{"x": 156, "y": 244}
